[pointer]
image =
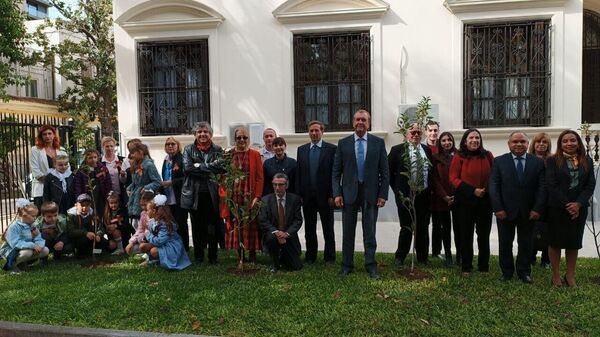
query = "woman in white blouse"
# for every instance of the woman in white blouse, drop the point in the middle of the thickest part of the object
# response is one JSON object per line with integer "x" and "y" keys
{"x": 47, "y": 146}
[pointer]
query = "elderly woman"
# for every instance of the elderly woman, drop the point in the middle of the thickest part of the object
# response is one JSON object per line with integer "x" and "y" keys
{"x": 542, "y": 148}
{"x": 570, "y": 180}
{"x": 469, "y": 174}
{"x": 47, "y": 146}
{"x": 249, "y": 189}
{"x": 144, "y": 177}
{"x": 280, "y": 163}
{"x": 200, "y": 194}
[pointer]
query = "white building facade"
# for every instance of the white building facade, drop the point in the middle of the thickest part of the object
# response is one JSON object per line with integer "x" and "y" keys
{"x": 498, "y": 65}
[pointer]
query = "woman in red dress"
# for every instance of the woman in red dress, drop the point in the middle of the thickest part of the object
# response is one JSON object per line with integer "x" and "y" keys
{"x": 246, "y": 190}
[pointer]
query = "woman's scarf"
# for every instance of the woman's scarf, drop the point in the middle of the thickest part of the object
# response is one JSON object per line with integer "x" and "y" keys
{"x": 573, "y": 159}
{"x": 62, "y": 177}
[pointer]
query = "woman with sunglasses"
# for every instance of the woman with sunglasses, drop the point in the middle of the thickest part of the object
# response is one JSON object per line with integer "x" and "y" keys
{"x": 200, "y": 194}
{"x": 172, "y": 175}
{"x": 249, "y": 189}
{"x": 469, "y": 174}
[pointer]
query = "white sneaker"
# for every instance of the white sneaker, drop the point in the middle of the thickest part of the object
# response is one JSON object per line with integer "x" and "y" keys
{"x": 118, "y": 251}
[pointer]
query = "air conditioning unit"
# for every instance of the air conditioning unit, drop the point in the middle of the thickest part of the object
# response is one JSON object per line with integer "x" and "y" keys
{"x": 411, "y": 111}
{"x": 255, "y": 129}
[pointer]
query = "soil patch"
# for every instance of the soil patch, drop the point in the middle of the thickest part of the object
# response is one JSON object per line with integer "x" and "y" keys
{"x": 415, "y": 275}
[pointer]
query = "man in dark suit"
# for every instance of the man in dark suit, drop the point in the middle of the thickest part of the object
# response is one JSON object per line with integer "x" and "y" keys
{"x": 360, "y": 181}
{"x": 518, "y": 195}
{"x": 313, "y": 184}
{"x": 280, "y": 219}
{"x": 412, "y": 150}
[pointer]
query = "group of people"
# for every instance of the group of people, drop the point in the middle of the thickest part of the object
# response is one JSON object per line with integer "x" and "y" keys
{"x": 123, "y": 205}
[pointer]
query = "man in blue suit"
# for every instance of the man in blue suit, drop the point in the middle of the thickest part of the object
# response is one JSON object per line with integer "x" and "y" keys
{"x": 518, "y": 195}
{"x": 313, "y": 184}
{"x": 360, "y": 180}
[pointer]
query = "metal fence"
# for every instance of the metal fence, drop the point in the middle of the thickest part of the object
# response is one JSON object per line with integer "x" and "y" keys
{"x": 17, "y": 137}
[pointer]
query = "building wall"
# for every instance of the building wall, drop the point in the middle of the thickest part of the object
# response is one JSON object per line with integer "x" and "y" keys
{"x": 416, "y": 51}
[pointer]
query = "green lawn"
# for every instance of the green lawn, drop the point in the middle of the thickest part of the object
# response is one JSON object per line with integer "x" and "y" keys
{"x": 313, "y": 302}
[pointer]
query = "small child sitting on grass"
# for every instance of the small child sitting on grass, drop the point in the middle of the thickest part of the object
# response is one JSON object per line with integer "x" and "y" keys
{"x": 164, "y": 243}
{"x": 139, "y": 236}
{"x": 54, "y": 229}
{"x": 115, "y": 221}
{"x": 22, "y": 240}
{"x": 83, "y": 229}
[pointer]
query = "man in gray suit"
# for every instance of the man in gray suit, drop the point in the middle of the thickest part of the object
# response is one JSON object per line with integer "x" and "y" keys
{"x": 360, "y": 180}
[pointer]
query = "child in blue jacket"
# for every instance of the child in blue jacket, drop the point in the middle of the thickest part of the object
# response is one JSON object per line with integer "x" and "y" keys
{"x": 164, "y": 244}
{"x": 23, "y": 241}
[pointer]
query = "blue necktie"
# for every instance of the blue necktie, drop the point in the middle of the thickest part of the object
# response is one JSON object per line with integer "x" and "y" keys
{"x": 313, "y": 161}
{"x": 520, "y": 169}
{"x": 360, "y": 160}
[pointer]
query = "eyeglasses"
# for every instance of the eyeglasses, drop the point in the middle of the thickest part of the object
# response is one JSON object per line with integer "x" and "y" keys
{"x": 241, "y": 137}
{"x": 170, "y": 144}
{"x": 415, "y": 132}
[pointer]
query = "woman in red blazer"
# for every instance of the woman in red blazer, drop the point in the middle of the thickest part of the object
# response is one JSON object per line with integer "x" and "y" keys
{"x": 250, "y": 190}
{"x": 469, "y": 174}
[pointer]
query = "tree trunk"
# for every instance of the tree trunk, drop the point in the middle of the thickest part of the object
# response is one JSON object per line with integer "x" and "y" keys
{"x": 106, "y": 126}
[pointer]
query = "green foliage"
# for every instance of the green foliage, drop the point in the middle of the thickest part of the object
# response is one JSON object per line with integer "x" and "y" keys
{"x": 13, "y": 46}
{"x": 87, "y": 59}
{"x": 311, "y": 302}
{"x": 421, "y": 118}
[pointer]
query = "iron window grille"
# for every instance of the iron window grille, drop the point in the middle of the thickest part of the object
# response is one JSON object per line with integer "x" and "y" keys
{"x": 591, "y": 67}
{"x": 507, "y": 74}
{"x": 332, "y": 78}
{"x": 173, "y": 86}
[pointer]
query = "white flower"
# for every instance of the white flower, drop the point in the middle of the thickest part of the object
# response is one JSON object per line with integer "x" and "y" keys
{"x": 22, "y": 203}
{"x": 160, "y": 200}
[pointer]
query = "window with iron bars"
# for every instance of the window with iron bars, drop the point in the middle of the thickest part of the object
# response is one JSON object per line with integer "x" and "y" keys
{"x": 332, "y": 78}
{"x": 173, "y": 86}
{"x": 507, "y": 74}
{"x": 590, "y": 107}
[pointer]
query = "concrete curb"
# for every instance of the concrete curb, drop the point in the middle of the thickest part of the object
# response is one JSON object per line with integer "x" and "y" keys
{"x": 12, "y": 329}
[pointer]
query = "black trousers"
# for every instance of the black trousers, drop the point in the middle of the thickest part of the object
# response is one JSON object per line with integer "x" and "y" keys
{"x": 422, "y": 236}
{"x": 506, "y": 236}
{"x": 441, "y": 233}
{"x": 84, "y": 247}
{"x": 181, "y": 218}
{"x": 204, "y": 221}
{"x": 286, "y": 255}
{"x": 52, "y": 240}
{"x": 475, "y": 218}
{"x": 310, "y": 209}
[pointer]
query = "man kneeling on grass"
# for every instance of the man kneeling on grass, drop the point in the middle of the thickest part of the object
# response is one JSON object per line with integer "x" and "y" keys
{"x": 280, "y": 219}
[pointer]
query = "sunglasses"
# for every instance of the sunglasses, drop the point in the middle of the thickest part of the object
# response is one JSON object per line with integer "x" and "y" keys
{"x": 170, "y": 144}
{"x": 415, "y": 132}
{"x": 241, "y": 137}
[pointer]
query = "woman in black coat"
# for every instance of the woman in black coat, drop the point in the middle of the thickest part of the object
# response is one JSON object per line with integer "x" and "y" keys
{"x": 172, "y": 175}
{"x": 571, "y": 182}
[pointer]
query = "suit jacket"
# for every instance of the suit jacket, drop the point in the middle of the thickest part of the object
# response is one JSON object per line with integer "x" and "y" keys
{"x": 324, "y": 171}
{"x": 345, "y": 172}
{"x": 558, "y": 181}
{"x": 514, "y": 197}
{"x": 398, "y": 181}
{"x": 268, "y": 216}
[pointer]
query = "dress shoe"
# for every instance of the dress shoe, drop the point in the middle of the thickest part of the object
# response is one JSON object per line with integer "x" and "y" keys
{"x": 505, "y": 278}
{"x": 399, "y": 263}
{"x": 373, "y": 274}
{"x": 526, "y": 279}
{"x": 344, "y": 273}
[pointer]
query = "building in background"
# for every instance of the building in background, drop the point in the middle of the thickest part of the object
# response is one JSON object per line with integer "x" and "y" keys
{"x": 498, "y": 65}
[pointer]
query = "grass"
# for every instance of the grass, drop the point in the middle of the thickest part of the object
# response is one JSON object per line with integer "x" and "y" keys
{"x": 313, "y": 302}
